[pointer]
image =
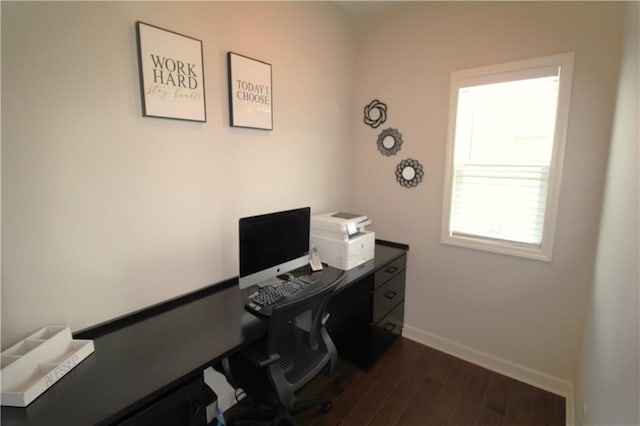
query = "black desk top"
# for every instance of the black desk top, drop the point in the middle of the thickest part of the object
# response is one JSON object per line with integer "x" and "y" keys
{"x": 136, "y": 362}
{"x": 141, "y": 361}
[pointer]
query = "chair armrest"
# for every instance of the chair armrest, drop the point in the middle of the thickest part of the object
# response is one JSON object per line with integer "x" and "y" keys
{"x": 259, "y": 359}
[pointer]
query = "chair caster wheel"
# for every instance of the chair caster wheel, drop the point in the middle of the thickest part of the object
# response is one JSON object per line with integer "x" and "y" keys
{"x": 326, "y": 406}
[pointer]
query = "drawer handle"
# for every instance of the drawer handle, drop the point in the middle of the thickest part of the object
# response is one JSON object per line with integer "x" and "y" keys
{"x": 390, "y": 294}
{"x": 390, "y": 327}
{"x": 391, "y": 269}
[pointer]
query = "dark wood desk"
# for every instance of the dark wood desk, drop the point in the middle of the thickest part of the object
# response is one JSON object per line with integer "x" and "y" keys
{"x": 145, "y": 356}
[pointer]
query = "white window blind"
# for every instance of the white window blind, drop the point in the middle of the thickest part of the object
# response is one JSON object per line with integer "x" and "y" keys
{"x": 504, "y": 145}
{"x": 503, "y": 202}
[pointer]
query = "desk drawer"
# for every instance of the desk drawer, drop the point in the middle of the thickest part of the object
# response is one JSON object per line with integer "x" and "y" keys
{"x": 389, "y": 271}
{"x": 386, "y": 331}
{"x": 388, "y": 296}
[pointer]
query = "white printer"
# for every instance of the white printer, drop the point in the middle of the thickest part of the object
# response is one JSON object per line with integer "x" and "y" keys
{"x": 341, "y": 239}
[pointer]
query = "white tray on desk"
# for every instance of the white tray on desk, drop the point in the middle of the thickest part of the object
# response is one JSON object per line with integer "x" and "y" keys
{"x": 34, "y": 364}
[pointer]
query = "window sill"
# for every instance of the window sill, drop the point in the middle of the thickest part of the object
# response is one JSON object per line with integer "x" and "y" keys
{"x": 500, "y": 247}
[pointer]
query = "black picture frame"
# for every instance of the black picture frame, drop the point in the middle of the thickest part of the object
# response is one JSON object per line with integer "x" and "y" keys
{"x": 171, "y": 74}
{"x": 250, "y": 92}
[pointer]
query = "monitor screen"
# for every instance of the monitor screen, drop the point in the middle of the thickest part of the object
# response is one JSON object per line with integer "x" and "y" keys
{"x": 273, "y": 244}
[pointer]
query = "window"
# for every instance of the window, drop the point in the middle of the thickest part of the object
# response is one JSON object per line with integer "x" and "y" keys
{"x": 507, "y": 126}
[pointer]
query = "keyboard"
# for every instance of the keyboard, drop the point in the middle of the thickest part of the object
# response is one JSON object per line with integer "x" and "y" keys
{"x": 262, "y": 300}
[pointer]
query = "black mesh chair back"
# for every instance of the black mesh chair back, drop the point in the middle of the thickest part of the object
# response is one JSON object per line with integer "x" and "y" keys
{"x": 297, "y": 348}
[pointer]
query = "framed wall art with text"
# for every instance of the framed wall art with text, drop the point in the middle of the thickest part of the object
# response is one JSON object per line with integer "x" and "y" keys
{"x": 171, "y": 74}
{"x": 250, "y": 96}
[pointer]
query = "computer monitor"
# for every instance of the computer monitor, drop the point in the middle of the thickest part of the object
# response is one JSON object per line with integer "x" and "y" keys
{"x": 273, "y": 244}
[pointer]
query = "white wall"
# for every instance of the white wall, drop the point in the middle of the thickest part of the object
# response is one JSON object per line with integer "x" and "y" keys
{"x": 523, "y": 316}
{"x": 104, "y": 211}
{"x": 608, "y": 384}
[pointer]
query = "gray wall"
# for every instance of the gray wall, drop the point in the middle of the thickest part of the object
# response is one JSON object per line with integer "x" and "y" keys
{"x": 608, "y": 384}
{"x": 523, "y": 317}
{"x": 105, "y": 211}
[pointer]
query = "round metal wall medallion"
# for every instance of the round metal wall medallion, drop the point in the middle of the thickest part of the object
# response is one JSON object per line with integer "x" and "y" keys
{"x": 389, "y": 142}
{"x": 409, "y": 173}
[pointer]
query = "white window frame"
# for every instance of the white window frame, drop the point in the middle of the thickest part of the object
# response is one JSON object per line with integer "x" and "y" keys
{"x": 509, "y": 72}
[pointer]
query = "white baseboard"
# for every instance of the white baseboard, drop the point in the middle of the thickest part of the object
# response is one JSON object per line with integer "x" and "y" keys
{"x": 499, "y": 365}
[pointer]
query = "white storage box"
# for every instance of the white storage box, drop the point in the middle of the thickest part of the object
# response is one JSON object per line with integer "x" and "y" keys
{"x": 345, "y": 254}
{"x": 31, "y": 366}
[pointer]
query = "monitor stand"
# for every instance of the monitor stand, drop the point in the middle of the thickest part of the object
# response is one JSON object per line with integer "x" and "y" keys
{"x": 271, "y": 281}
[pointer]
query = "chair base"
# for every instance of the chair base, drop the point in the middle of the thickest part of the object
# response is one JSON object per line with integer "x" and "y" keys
{"x": 277, "y": 415}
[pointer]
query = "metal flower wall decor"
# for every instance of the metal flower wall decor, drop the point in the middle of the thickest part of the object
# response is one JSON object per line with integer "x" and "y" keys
{"x": 375, "y": 113}
{"x": 409, "y": 173}
{"x": 389, "y": 142}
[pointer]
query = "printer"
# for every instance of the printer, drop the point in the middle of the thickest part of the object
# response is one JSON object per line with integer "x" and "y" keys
{"x": 341, "y": 239}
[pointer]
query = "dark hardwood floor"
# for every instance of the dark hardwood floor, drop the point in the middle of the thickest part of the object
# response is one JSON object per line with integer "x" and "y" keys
{"x": 412, "y": 384}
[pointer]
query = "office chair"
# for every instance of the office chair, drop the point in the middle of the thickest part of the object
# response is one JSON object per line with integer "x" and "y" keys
{"x": 297, "y": 348}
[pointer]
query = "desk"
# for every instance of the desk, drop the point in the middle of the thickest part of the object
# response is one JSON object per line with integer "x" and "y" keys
{"x": 145, "y": 356}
